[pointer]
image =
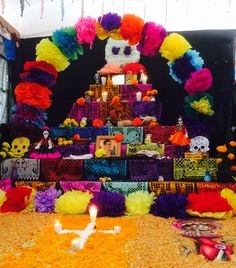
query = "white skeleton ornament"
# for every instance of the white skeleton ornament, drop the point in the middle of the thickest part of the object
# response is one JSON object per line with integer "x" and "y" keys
{"x": 199, "y": 144}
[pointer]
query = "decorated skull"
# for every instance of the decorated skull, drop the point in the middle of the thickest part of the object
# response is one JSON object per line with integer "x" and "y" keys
{"x": 199, "y": 144}
{"x": 20, "y": 146}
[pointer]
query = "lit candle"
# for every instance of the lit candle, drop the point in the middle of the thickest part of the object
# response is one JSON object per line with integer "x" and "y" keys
{"x": 75, "y": 243}
{"x": 144, "y": 79}
{"x": 58, "y": 227}
{"x": 93, "y": 213}
{"x": 117, "y": 229}
{"x": 104, "y": 79}
{"x": 138, "y": 96}
{"x": 104, "y": 96}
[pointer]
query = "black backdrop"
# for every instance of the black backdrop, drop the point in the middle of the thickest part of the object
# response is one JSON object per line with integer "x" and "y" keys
{"x": 215, "y": 47}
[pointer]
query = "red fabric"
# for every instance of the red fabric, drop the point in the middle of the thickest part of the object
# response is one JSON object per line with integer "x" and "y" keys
{"x": 208, "y": 202}
{"x": 16, "y": 199}
{"x": 61, "y": 169}
{"x": 33, "y": 94}
{"x": 42, "y": 65}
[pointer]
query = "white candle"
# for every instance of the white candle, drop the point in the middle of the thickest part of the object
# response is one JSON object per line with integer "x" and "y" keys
{"x": 58, "y": 227}
{"x": 75, "y": 243}
{"x": 144, "y": 79}
{"x": 104, "y": 79}
{"x": 153, "y": 98}
{"x": 104, "y": 96}
{"x": 138, "y": 96}
{"x": 117, "y": 229}
{"x": 93, "y": 214}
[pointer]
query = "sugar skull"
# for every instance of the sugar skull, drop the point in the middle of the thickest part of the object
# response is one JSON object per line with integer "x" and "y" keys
{"x": 20, "y": 146}
{"x": 120, "y": 52}
{"x": 199, "y": 144}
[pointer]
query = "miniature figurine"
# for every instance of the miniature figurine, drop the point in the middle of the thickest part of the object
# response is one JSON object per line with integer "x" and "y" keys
{"x": 180, "y": 135}
{"x": 97, "y": 78}
{"x": 83, "y": 122}
{"x": 148, "y": 138}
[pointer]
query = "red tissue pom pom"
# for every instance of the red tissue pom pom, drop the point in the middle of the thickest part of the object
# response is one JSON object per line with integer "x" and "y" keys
{"x": 97, "y": 123}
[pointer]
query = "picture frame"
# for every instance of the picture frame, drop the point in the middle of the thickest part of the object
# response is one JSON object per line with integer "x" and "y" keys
{"x": 111, "y": 146}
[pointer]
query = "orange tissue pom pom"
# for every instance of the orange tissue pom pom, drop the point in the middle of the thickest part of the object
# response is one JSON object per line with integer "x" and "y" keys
{"x": 97, "y": 123}
{"x": 119, "y": 137}
{"x": 137, "y": 122}
{"x": 81, "y": 101}
{"x": 231, "y": 156}
{"x": 115, "y": 99}
{"x": 146, "y": 98}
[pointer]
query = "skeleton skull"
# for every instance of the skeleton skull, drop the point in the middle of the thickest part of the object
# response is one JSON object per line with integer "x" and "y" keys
{"x": 20, "y": 146}
{"x": 199, "y": 144}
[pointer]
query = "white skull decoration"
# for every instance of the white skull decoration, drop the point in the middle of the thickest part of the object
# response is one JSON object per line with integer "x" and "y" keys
{"x": 199, "y": 144}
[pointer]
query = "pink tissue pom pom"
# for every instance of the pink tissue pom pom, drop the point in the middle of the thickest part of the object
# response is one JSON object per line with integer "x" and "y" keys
{"x": 152, "y": 38}
{"x": 111, "y": 68}
{"x": 86, "y": 31}
{"x": 199, "y": 82}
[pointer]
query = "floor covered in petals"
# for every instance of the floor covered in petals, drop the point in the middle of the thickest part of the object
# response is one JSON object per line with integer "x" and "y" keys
{"x": 29, "y": 240}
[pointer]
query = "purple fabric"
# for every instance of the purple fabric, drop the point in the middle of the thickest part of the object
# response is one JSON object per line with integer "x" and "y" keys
{"x": 128, "y": 92}
{"x": 84, "y": 186}
{"x": 90, "y": 110}
{"x": 143, "y": 108}
{"x": 150, "y": 169}
{"x": 170, "y": 151}
{"x": 199, "y": 127}
{"x": 76, "y": 149}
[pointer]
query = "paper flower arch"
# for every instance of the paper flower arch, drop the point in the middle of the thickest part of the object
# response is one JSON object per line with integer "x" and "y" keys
{"x": 185, "y": 64}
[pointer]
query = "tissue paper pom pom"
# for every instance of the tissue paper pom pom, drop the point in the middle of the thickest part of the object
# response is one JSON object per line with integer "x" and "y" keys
{"x": 152, "y": 38}
{"x": 33, "y": 94}
{"x": 131, "y": 28}
{"x": 2, "y": 197}
{"x": 115, "y": 99}
{"x": 119, "y": 137}
{"x": 133, "y": 68}
{"x": 231, "y": 198}
{"x": 66, "y": 40}
{"x": 97, "y": 123}
{"x": 110, "y": 21}
{"x": 170, "y": 205}
{"x": 109, "y": 203}
{"x": 139, "y": 202}
{"x": 45, "y": 201}
{"x": 137, "y": 122}
{"x": 47, "y": 51}
{"x": 38, "y": 76}
{"x": 81, "y": 101}
{"x": 41, "y": 65}
{"x": 100, "y": 153}
{"x": 174, "y": 46}
{"x": 30, "y": 207}
{"x": 199, "y": 82}
{"x": 86, "y": 32}
{"x": 199, "y": 105}
{"x": 28, "y": 115}
{"x": 16, "y": 199}
{"x": 73, "y": 202}
{"x": 103, "y": 34}
{"x": 208, "y": 204}
{"x": 181, "y": 68}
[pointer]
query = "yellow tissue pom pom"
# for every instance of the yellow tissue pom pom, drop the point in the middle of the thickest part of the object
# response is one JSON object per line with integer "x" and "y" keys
{"x": 30, "y": 202}
{"x": 100, "y": 153}
{"x": 2, "y": 197}
{"x": 139, "y": 202}
{"x": 174, "y": 46}
{"x": 73, "y": 202}
{"x": 203, "y": 106}
{"x": 6, "y": 144}
{"x": 47, "y": 51}
{"x": 231, "y": 198}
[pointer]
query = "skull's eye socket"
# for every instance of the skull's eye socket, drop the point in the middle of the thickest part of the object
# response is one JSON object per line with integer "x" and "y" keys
{"x": 23, "y": 146}
{"x": 115, "y": 50}
{"x": 15, "y": 146}
{"x": 202, "y": 147}
{"x": 195, "y": 147}
{"x": 127, "y": 50}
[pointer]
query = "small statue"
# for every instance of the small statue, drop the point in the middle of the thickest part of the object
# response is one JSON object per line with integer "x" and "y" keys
{"x": 108, "y": 121}
{"x": 180, "y": 135}
{"x": 148, "y": 138}
{"x": 83, "y": 122}
{"x": 97, "y": 78}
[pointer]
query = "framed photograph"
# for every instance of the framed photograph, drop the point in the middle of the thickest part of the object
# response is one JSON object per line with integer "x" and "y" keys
{"x": 109, "y": 144}
{"x": 118, "y": 79}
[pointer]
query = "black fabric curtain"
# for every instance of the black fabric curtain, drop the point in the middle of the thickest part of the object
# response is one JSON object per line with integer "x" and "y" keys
{"x": 215, "y": 47}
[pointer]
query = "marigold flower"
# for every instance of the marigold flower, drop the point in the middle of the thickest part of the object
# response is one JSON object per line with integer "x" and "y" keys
{"x": 231, "y": 156}
{"x": 221, "y": 149}
{"x": 146, "y": 98}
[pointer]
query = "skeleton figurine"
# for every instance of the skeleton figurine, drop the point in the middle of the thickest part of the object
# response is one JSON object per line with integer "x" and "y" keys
{"x": 199, "y": 144}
